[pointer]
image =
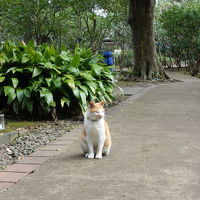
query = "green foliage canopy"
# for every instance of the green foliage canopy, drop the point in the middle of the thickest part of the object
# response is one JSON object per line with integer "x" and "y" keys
{"x": 181, "y": 31}
{"x": 63, "y": 22}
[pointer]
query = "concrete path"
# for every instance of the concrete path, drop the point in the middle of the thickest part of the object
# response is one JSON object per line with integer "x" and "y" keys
{"x": 155, "y": 154}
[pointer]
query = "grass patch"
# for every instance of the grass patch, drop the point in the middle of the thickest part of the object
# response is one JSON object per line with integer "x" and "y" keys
{"x": 12, "y": 125}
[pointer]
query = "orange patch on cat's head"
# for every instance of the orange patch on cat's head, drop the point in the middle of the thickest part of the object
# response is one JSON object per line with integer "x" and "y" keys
{"x": 95, "y": 107}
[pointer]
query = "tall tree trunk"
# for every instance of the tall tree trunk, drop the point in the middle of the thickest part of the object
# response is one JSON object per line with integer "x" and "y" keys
{"x": 146, "y": 64}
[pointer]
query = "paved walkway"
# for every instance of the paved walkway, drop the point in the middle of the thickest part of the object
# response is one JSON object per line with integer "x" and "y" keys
{"x": 155, "y": 154}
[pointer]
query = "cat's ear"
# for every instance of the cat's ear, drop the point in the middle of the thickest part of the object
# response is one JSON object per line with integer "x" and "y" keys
{"x": 92, "y": 104}
{"x": 102, "y": 103}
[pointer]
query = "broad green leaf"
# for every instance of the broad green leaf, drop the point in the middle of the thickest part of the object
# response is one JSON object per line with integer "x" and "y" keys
{"x": 41, "y": 79}
{"x": 76, "y": 92}
{"x": 49, "y": 99}
{"x": 52, "y": 50}
{"x": 48, "y": 65}
{"x": 46, "y": 108}
{"x": 51, "y": 66}
{"x": 65, "y": 100}
{"x": 57, "y": 69}
{"x": 76, "y": 49}
{"x": 53, "y": 59}
{"x": 97, "y": 69}
{"x": 16, "y": 106}
{"x": 37, "y": 58}
{"x": 48, "y": 96}
{"x": 7, "y": 89}
{"x": 13, "y": 69}
{"x": 48, "y": 80}
{"x": 14, "y": 82}
{"x": 94, "y": 60}
{"x": 68, "y": 76}
{"x": 30, "y": 69}
{"x": 3, "y": 58}
{"x": 2, "y": 79}
{"x": 37, "y": 71}
{"x": 101, "y": 95}
{"x": 107, "y": 97}
{"x": 19, "y": 70}
{"x": 22, "y": 44}
{"x": 20, "y": 94}
{"x": 27, "y": 92}
{"x": 72, "y": 69}
{"x": 57, "y": 82}
{"x": 101, "y": 85}
{"x": 83, "y": 108}
{"x": 83, "y": 98}
{"x": 29, "y": 106}
{"x": 49, "y": 51}
{"x": 76, "y": 61}
{"x": 91, "y": 85}
{"x": 31, "y": 44}
{"x": 64, "y": 57}
{"x": 36, "y": 85}
{"x": 14, "y": 58}
{"x": 25, "y": 59}
{"x": 108, "y": 75}
{"x": 82, "y": 87}
{"x": 86, "y": 75}
{"x": 11, "y": 96}
{"x": 70, "y": 82}
{"x": 24, "y": 102}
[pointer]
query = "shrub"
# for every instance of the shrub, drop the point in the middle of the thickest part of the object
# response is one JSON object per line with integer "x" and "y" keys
{"x": 181, "y": 30}
{"x": 36, "y": 79}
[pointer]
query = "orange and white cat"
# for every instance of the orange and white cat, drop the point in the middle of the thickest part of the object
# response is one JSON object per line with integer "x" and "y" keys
{"x": 96, "y": 138}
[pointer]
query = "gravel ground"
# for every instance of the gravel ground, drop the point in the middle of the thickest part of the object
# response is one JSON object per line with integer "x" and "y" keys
{"x": 31, "y": 138}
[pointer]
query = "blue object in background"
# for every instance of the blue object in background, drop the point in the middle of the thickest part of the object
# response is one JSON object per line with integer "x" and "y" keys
{"x": 108, "y": 55}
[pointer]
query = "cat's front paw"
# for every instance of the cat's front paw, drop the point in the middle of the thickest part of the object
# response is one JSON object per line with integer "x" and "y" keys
{"x": 98, "y": 156}
{"x": 86, "y": 155}
{"x": 90, "y": 155}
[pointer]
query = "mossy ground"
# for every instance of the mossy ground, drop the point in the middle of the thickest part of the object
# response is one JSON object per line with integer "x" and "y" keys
{"x": 12, "y": 125}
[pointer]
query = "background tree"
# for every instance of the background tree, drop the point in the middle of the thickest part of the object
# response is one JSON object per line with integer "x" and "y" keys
{"x": 62, "y": 22}
{"x": 141, "y": 15}
{"x": 30, "y": 20}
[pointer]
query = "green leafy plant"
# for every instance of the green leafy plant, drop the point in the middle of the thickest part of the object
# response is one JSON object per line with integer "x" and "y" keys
{"x": 180, "y": 34}
{"x": 36, "y": 79}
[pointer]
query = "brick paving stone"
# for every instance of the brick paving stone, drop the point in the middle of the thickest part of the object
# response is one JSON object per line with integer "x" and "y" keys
{"x": 4, "y": 186}
{"x": 61, "y": 143}
{"x": 22, "y": 168}
{"x": 11, "y": 177}
{"x": 33, "y": 160}
{"x": 44, "y": 153}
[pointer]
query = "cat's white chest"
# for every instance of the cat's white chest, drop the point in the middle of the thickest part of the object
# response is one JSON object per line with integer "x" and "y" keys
{"x": 95, "y": 130}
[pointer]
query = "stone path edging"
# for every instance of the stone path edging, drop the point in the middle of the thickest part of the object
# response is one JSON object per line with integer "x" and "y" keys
{"x": 14, "y": 173}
